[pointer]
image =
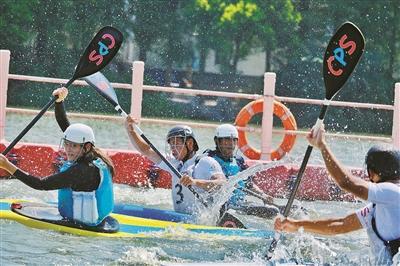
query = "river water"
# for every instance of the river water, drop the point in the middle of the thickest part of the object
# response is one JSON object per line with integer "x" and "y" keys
{"x": 20, "y": 245}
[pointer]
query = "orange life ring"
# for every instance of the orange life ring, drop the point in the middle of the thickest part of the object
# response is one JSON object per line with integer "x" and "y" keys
{"x": 281, "y": 111}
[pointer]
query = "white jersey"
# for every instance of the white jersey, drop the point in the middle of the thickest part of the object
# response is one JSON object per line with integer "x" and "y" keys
{"x": 183, "y": 199}
{"x": 386, "y": 197}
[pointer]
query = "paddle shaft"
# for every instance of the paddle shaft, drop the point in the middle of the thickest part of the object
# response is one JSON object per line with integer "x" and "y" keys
{"x": 303, "y": 165}
{"x": 33, "y": 122}
{"x": 257, "y": 195}
{"x": 97, "y": 81}
{"x": 289, "y": 204}
{"x": 89, "y": 63}
{"x": 170, "y": 166}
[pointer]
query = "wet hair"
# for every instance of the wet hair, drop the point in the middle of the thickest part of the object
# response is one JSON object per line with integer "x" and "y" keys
{"x": 94, "y": 153}
{"x": 384, "y": 161}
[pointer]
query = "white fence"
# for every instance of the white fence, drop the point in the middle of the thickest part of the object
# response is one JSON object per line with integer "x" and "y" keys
{"x": 137, "y": 87}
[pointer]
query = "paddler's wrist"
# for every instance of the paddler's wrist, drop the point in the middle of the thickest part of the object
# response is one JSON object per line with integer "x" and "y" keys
{"x": 195, "y": 183}
{"x": 129, "y": 127}
{"x": 296, "y": 224}
{"x": 323, "y": 147}
{"x": 11, "y": 168}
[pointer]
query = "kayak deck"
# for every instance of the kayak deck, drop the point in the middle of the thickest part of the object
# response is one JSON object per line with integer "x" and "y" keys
{"x": 131, "y": 226}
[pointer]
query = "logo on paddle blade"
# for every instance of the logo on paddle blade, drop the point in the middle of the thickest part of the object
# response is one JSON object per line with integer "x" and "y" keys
{"x": 100, "y": 52}
{"x": 103, "y": 49}
{"x": 339, "y": 55}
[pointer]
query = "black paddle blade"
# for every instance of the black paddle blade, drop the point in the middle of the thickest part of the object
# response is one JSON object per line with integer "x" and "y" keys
{"x": 341, "y": 57}
{"x": 100, "y": 51}
{"x": 101, "y": 84}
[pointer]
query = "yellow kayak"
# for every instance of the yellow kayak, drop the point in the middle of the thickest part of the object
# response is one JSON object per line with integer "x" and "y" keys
{"x": 45, "y": 216}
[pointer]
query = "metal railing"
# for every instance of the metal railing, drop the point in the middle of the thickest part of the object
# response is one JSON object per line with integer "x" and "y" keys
{"x": 137, "y": 87}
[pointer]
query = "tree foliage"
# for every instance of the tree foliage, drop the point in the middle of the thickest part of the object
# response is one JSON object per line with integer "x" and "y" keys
{"x": 46, "y": 38}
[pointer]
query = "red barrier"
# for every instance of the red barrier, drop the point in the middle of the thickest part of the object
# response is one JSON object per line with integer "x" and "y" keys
{"x": 160, "y": 178}
{"x": 316, "y": 183}
{"x": 136, "y": 170}
{"x": 35, "y": 159}
{"x": 4, "y": 173}
{"x": 131, "y": 168}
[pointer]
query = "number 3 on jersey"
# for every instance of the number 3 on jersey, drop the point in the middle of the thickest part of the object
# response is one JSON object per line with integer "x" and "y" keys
{"x": 179, "y": 193}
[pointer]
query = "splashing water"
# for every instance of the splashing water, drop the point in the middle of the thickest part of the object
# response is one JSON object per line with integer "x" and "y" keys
{"x": 178, "y": 245}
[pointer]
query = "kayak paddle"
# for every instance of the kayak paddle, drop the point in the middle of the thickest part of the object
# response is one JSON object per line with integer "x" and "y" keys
{"x": 101, "y": 84}
{"x": 97, "y": 55}
{"x": 341, "y": 57}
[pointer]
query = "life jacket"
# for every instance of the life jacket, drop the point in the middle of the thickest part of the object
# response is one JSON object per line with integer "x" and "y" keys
{"x": 88, "y": 207}
{"x": 392, "y": 245}
{"x": 230, "y": 168}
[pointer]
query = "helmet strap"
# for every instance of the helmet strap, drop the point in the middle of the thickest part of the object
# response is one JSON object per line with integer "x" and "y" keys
{"x": 189, "y": 153}
{"x": 185, "y": 145}
{"x": 78, "y": 158}
{"x": 219, "y": 151}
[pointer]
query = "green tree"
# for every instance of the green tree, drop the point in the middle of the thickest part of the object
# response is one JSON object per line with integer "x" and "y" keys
{"x": 277, "y": 31}
{"x": 161, "y": 27}
{"x": 231, "y": 27}
{"x": 245, "y": 26}
{"x": 15, "y": 30}
{"x": 62, "y": 36}
{"x": 176, "y": 47}
{"x": 146, "y": 24}
{"x": 204, "y": 21}
{"x": 51, "y": 53}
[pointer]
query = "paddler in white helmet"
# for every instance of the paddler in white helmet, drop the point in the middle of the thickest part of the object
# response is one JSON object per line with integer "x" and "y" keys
{"x": 204, "y": 174}
{"x": 226, "y": 154}
{"x": 84, "y": 183}
{"x": 380, "y": 217}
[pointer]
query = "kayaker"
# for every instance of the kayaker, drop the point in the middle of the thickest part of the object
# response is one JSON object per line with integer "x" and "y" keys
{"x": 203, "y": 173}
{"x": 84, "y": 183}
{"x": 225, "y": 153}
{"x": 382, "y": 192}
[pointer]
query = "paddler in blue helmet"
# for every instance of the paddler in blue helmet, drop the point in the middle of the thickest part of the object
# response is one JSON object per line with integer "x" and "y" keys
{"x": 380, "y": 217}
{"x": 225, "y": 153}
{"x": 84, "y": 183}
{"x": 203, "y": 173}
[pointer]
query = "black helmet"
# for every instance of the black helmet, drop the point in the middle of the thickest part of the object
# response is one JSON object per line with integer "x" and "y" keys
{"x": 383, "y": 161}
{"x": 184, "y": 132}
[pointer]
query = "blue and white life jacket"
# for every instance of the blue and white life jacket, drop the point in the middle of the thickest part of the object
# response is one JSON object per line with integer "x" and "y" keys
{"x": 230, "y": 168}
{"x": 88, "y": 207}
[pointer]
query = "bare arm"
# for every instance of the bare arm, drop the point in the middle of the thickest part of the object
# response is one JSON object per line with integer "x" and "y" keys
{"x": 342, "y": 177}
{"x": 138, "y": 142}
{"x": 331, "y": 226}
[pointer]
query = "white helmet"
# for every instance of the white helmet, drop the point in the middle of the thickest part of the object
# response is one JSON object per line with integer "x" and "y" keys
{"x": 226, "y": 131}
{"x": 79, "y": 133}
